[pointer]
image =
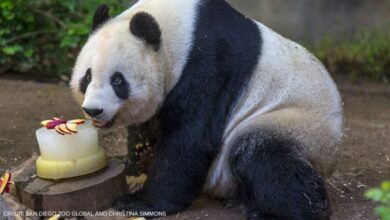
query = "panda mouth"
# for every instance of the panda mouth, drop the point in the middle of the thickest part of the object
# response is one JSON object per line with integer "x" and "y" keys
{"x": 103, "y": 124}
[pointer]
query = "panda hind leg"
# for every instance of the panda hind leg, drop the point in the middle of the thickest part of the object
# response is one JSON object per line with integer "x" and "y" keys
{"x": 273, "y": 182}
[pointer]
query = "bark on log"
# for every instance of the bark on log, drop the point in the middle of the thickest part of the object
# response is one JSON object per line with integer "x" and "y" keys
{"x": 93, "y": 192}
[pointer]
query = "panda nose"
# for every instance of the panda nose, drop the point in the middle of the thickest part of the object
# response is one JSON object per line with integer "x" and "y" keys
{"x": 93, "y": 112}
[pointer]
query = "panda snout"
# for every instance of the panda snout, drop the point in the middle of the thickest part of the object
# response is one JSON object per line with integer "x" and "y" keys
{"x": 93, "y": 112}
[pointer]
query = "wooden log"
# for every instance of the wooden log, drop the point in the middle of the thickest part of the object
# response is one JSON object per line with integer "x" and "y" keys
{"x": 93, "y": 192}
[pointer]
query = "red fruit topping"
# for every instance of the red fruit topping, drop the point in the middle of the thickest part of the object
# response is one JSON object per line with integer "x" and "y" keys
{"x": 59, "y": 131}
{"x": 63, "y": 129}
{"x": 77, "y": 121}
{"x": 71, "y": 127}
{"x": 61, "y": 126}
{"x": 55, "y": 123}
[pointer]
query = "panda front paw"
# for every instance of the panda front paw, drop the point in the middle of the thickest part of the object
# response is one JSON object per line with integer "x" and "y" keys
{"x": 132, "y": 203}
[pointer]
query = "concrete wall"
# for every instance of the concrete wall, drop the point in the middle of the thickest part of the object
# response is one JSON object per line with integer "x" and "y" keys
{"x": 311, "y": 20}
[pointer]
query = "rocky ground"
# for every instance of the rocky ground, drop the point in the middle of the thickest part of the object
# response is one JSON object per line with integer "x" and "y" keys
{"x": 365, "y": 160}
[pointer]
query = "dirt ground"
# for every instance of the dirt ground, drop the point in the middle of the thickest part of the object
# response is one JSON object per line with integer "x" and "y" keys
{"x": 365, "y": 160}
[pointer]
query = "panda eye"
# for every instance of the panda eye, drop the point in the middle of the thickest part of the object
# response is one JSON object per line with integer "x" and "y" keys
{"x": 88, "y": 76}
{"x": 117, "y": 80}
{"x": 120, "y": 85}
{"x": 84, "y": 82}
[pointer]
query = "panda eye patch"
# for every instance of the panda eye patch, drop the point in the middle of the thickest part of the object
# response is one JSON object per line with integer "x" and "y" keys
{"x": 84, "y": 82}
{"x": 120, "y": 85}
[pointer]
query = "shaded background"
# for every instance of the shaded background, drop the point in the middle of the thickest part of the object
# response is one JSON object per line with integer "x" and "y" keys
{"x": 39, "y": 41}
{"x": 310, "y": 21}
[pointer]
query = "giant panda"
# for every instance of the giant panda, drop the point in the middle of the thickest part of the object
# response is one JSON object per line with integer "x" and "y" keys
{"x": 244, "y": 113}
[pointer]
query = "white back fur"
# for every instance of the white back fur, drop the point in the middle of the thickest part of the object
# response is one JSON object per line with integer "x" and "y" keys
{"x": 290, "y": 93}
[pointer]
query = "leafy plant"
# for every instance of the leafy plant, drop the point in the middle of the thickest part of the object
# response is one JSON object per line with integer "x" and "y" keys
{"x": 44, "y": 35}
{"x": 366, "y": 56}
{"x": 382, "y": 196}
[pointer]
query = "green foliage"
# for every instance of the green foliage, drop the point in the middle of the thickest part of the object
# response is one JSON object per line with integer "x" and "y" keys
{"x": 367, "y": 56}
{"x": 44, "y": 35}
{"x": 382, "y": 196}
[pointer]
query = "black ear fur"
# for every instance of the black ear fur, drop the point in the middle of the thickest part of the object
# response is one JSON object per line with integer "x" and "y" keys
{"x": 100, "y": 17}
{"x": 144, "y": 26}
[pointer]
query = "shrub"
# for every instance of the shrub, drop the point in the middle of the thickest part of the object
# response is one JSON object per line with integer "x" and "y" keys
{"x": 44, "y": 35}
{"x": 366, "y": 56}
{"x": 382, "y": 196}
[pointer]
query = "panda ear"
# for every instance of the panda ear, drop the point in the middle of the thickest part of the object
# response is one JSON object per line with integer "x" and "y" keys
{"x": 100, "y": 17}
{"x": 145, "y": 27}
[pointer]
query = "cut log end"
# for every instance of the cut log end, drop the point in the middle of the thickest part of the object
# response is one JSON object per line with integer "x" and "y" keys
{"x": 91, "y": 192}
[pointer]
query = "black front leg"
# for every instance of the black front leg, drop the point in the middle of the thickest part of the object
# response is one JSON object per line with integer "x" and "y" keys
{"x": 176, "y": 175}
{"x": 141, "y": 141}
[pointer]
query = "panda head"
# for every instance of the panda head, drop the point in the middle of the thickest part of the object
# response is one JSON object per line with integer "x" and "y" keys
{"x": 119, "y": 71}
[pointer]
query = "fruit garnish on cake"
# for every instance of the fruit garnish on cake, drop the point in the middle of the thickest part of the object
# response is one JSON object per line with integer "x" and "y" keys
{"x": 68, "y": 148}
{"x": 62, "y": 126}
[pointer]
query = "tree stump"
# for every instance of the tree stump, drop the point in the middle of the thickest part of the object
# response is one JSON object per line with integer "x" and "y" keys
{"x": 93, "y": 192}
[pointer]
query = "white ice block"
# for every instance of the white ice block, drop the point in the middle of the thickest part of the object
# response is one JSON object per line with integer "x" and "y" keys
{"x": 69, "y": 155}
{"x": 54, "y": 146}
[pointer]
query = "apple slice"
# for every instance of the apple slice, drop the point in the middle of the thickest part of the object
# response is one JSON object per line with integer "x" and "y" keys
{"x": 64, "y": 129}
{"x": 5, "y": 181}
{"x": 45, "y": 122}
{"x": 55, "y": 118}
{"x": 58, "y": 130}
{"x": 77, "y": 121}
{"x": 72, "y": 127}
